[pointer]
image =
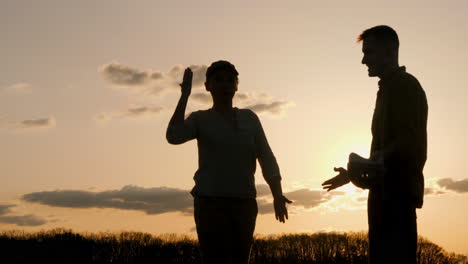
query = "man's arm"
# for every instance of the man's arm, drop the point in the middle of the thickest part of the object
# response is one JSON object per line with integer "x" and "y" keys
{"x": 403, "y": 117}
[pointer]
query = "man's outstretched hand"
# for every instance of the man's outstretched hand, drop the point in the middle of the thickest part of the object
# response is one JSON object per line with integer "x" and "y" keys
{"x": 337, "y": 181}
{"x": 281, "y": 212}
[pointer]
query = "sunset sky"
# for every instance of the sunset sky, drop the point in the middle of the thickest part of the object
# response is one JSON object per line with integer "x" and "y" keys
{"x": 87, "y": 89}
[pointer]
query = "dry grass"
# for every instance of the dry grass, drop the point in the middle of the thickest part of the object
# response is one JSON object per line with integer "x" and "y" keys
{"x": 65, "y": 246}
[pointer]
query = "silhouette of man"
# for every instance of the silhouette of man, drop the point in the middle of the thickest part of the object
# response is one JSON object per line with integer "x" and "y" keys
{"x": 399, "y": 140}
{"x": 230, "y": 140}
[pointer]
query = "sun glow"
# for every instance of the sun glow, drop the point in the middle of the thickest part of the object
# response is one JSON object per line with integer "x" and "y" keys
{"x": 339, "y": 150}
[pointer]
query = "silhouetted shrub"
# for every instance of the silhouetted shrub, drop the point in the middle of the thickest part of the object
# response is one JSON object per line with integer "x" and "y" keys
{"x": 65, "y": 246}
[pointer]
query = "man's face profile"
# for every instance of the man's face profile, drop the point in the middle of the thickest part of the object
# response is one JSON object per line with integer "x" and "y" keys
{"x": 374, "y": 56}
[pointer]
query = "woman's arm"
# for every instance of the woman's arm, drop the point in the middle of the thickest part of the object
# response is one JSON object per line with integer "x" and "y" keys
{"x": 271, "y": 173}
{"x": 175, "y": 129}
{"x": 279, "y": 201}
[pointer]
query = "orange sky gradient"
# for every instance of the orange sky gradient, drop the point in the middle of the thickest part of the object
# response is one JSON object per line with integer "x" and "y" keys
{"x": 87, "y": 89}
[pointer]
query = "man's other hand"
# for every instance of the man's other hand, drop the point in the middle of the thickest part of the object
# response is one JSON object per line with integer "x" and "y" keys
{"x": 337, "y": 181}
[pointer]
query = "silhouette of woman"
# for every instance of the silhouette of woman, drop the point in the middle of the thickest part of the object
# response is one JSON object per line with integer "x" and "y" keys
{"x": 230, "y": 140}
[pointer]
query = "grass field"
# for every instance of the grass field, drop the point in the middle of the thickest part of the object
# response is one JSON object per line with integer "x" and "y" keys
{"x": 66, "y": 246}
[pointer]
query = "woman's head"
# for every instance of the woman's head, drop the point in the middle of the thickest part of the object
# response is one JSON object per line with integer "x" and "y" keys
{"x": 222, "y": 80}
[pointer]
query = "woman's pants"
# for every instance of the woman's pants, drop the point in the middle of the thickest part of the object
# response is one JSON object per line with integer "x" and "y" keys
{"x": 225, "y": 228}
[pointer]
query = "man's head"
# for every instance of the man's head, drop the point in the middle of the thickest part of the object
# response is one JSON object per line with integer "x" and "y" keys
{"x": 222, "y": 79}
{"x": 380, "y": 47}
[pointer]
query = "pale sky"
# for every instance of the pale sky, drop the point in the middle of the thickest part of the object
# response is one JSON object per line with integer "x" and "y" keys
{"x": 87, "y": 89}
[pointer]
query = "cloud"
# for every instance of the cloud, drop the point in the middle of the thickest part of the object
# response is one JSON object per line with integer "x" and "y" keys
{"x": 302, "y": 198}
{"x": 29, "y": 124}
{"x": 5, "y": 208}
{"x": 123, "y": 75}
{"x": 272, "y": 108}
{"x": 20, "y": 220}
{"x": 361, "y": 199}
{"x": 263, "y": 190}
{"x": 265, "y": 206}
{"x": 198, "y": 80}
{"x": 434, "y": 191}
{"x": 459, "y": 186}
{"x": 309, "y": 198}
{"x": 130, "y": 112}
{"x": 156, "y": 200}
{"x": 260, "y": 103}
{"x": 23, "y": 220}
{"x": 433, "y": 188}
{"x": 150, "y": 81}
{"x": 158, "y": 82}
{"x": 159, "y": 200}
{"x": 47, "y": 122}
{"x": 17, "y": 88}
{"x": 202, "y": 98}
{"x": 438, "y": 186}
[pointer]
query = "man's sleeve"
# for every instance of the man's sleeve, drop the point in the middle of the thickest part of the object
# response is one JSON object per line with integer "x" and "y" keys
{"x": 406, "y": 113}
{"x": 267, "y": 160}
{"x": 181, "y": 133}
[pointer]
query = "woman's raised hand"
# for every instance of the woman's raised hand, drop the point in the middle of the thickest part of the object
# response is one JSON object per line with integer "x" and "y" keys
{"x": 186, "y": 85}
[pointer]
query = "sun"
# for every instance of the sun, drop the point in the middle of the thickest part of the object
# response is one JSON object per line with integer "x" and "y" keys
{"x": 343, "y": 146}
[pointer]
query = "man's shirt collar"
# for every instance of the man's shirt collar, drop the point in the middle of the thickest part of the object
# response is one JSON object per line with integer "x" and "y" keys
{"x": 389, "y": 76}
